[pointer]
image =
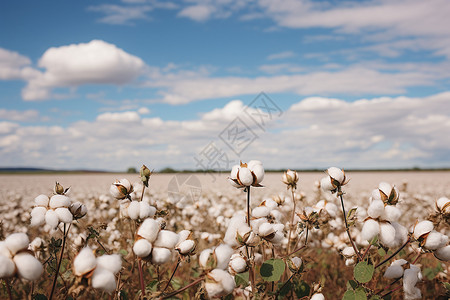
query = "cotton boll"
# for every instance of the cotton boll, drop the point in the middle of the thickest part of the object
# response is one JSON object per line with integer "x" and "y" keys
{"x": 255, "y": 223}
{"x": 161, "y": 255}
{"x": 237, "y": 264}
{"x": 440, "y": 204}
{"x": 387, "y": 235}
{"x": 348, "y": 252}
{"x": 332, "y": 209}
{"x": 84, "y": 262}
{"x": 38, "y": 216}
{"x": 7, "y": 267}
{"x": 142, "y": 248}
{"x": 410, "y": 278}
{"x": 149, "y": 230}
{"x": 435, "y": 240}
{"x": 245, "y": 176}
{"x": 51, "y": 218}
{"x": 4, "y": 250}
{"x": 394, "y": 271}
{"x": 64, "y": 214}
{"x": 166, "y": 239}
{"x": 234, "y": 171}
{"x": 318, "y": 296}
{"x": 104, "y": 280}
{"x": 258, "y": 170}
{"x": 134, "y": 209}
{"x": 266, "y": 229}
{"x": 223, "y": 253}
{"x": 270, "y": 203}
{"x": 260, "y": 212}
{"x": 183, "y": 235}
{"x": 111, "y": 262}
{"x": 337, "y": 174}
{"x": 401, "y": 233}
{"x": 376, "y": 195}
{"x": 277, "y": 215}
{"x": 59, "y": 201}
{"x": 376, "y": 209}
{"x": 443, "y": 253}
{"x": 325, "y": 184}
{"x": 213, "y": 289}
{"x": 146, "y": 210}
{"x": 221, "y": 284}
{"x": 422, "y": 228}
{"x": 204, "y": 257}
{"x": 16, "y": 242}
{"x": 185, "y": 247}
{"x": 41, "y": 200}
{"x": 230, "y": 235}
{"x": 385, "y": 188}
{"x": 370, "y": 229}
{"x": 28, "y": 267}
{"x": 391, "y": 213}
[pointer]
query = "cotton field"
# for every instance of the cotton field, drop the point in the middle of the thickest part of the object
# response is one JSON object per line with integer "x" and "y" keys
{"x": 244, "y": 234}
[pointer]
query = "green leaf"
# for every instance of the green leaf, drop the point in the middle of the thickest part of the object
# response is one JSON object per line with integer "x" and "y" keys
{"x": 153, "y": 285}
{"x": 447, "y": 286}
{"x": 285, "y": 290}
{"x": 358, "y": 294}
{"x": 272, "y": 269}
{"x": 123, "y": 252}
{"x": 351, "y": 284}
{"x": 302, "y": 289}
{"x": 241, "y": 279}
{"x": 381, "y": 252}
{"x": 374, "y": 240}
{"x": 363, "y": 272}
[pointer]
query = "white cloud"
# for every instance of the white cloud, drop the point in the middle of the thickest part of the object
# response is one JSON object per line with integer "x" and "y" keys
{"x": 121, "y": 15}
{"x": 15, "y": 66}
{"x": 143, "y": 111}
{"x": 197, "y": 12}
{"x": 281, "y": 55}
{"x": 96, "y": 62}
{"x": 315, "y": 132}
{"x": 19, "y": 116}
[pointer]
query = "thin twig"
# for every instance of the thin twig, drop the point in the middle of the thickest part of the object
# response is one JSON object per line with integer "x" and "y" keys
{"x": 346, "y": 225}
{"x": 170, "y": 279}
{"x": 390, "y": 292}
{"x": 279, "y": 290}
{"x": 394, "y": 254}
{"x": 304, "y": 246}
{"x": 141, "y": 277}
{"x": 250, "y": 271}
{"x": 183, "y": 288}
{"x": 59, "y": 262}
{"x": 365, "y": 252}
{"x": 291, "y": 225}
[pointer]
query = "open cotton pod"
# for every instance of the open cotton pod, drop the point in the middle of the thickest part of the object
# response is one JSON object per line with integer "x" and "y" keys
{"x": 219, "y": 283}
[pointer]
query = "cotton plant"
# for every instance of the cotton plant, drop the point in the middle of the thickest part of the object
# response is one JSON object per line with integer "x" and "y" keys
{"x": 431, "y": 240}
{"x": 410, "y": 273}
{"x": 17, "y": 260}
{"x": 383, "y": 216}
{"x": 100, "y": 271}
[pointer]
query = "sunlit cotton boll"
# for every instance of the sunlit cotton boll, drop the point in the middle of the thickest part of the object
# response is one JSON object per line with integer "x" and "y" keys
{"x": 376, "y": 209}
{"x": 41, "y": 200}
{"x": 161, "y": 255}
{"x": 146, "y": 210}
{"x": 318, "y": 296}
{"x": 28, "y": 267}
{"x": 112, "y": 263}
{"x": 51, "y": 218}
{"x": 84, "y": 262}
{"x": 245, "y": 176}
{"x": 219, "y": 283}
{"x": 38, "y": 216}
{"x": 104, "y": 280}
{"x": 422, "y": 228}
{"x": 235, "y": 223}
{"x": 142, "y": 248}
{"x": 325, "y": 184}
{"x": 166, "y": 239}
{"x": 223, "y": 254}
{"x": 59, "y": 201}
{"x": 149, "y": 229}
{"x": 185, "y": 247}
{"x": 395, "y": 270}
{"x": 443, "y": 253}
{"x": 64, "y": 215}
{"x": 133, "y": 210}
{"x": 443, "y": 205}
{"x": 370, "y": 229}
{"x": 391, "y": 213}
{"x": 410, "y": 278}
{"x": 387, "y": 235}
{"x": 204, "y": 257}
{"x": 435, "y": 240}
{"x": 258, "y": 170}
{"x": 17, "y": 242}
{"x": 237, "y": 264}
{"x": 7, "y": 267}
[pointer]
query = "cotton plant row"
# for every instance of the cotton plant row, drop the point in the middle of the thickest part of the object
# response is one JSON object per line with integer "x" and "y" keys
{"x": 260, "y": 252}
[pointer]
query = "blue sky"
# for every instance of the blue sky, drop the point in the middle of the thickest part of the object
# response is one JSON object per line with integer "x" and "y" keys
{"x": 107, "y": 85}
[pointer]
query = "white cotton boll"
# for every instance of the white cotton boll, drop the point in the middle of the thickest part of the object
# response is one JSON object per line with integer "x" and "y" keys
{"x": 203, "y": 257}
{"x": 422, "y": 228}
{"x": 149, "y": 230}
{"x": 134, "y": 209}
{"x": 348, "y": 251}
{"x": 84, "y": 262}
{"x": 270, "y": 204}
{"x": 278, "y": 227}
{"x": 234, "y": 171}
{"x": 237, "y": 264}
{"x": 161, "y": 255}
{"x": 325, "y": 184}
{"x": 391, "y": 213}
{"x": 349, "y": 262}
{"x": 258, "y": 170}
{"x": 376, "y": 209}
{"x": 7, "y": 267}
{"x": 401, "y": 233}
{"x": 124, "y": 209}
{"x": 393, "y": 271}
{"x": 443, "y": 253}
{"x": 223, "y": 254}
{"x": 337, "y": 174}
{"x": 166, "y": 239}
{"x": 385, "y": 188}
{"x": 277, "y": 215}
{"x": 318, "y": 296}
{"x": 41, "y": 200}
{"x": 183, "y": 235}
{"x": 145, "y": 210}
{"x": 370, "y": 229}
{"x": 410, "y": 278}
{"x": 185, "y": 247}
{"x": 266, "y": 229}
{"x": 142, "y": 248}
{"x": 387, "y": 235}
{"x": 376, "y": 195}
{"x": 64, "y": 215}
{"x": 260, "y": 212}
{"x": 111, "y": 262}
{"x": 441, "y": 202}
{"x": 36, "y": 244}
{"x": 296, "y": 261}
{"x": 435, "y": 240}
{"x": 278, "y": 238}
{"x": 332, "y": 209}
{"x": 16, "y": 242}
{"x": 28, "y": 267}
{"x": 214, "y": 289}
{"x": 104, "y": 280}
{"x": 233, "y": 183}
{"x": 230, "y": 235}
{"x": 38, "y": 216}
{"x": 59, "y": 201}
{"x": 255, "y": 223}
{"x": 245, "y": 176}
{"x": 225, "y": 280}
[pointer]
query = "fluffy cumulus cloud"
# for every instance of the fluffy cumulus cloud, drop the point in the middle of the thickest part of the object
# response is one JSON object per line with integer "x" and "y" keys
{"x": 96, "y": 62}
{"x": 15, "y": 66}
{"x": 315, "y": 132}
